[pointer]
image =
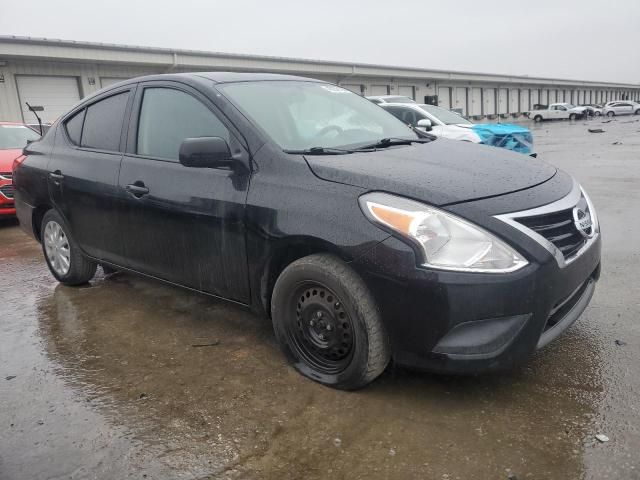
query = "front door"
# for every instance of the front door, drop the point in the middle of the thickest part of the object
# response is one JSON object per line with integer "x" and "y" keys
{"x": 181, "y": 224}
{"x": 83, "y": 173}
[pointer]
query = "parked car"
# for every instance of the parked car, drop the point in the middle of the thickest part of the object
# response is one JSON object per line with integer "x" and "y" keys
{"x": 36, "y": 127}
{"x": 623, "y": 107}
{"x": 593, "y": 109}
{"x": 445, "y": 123}
{"x": 557, "y": 111}
{"x": 13, "y": 138}
{"x": 362, "y": 239}
{"x": 381, "y": 99}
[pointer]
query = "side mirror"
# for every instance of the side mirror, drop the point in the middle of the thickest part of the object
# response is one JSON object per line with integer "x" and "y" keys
{"x": 425, "y": 124}
{"x": 205, "y": 152}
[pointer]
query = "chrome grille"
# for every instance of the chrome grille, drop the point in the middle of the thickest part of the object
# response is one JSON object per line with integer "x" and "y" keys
{"x": 7, "y": 191}
{"x": 559, "y": 228}
{"x": 6, "y": 175}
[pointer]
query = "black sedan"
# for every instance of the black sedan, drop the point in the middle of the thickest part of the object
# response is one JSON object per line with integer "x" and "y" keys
{"x": 359, "y": 237}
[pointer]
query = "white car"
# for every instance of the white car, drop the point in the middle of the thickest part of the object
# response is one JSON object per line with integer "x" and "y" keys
{"x": 621, "y": 107}
{"x": 380, "y": 99}
{"x": 445, "y": 123}
{"x": 557, "y": 111}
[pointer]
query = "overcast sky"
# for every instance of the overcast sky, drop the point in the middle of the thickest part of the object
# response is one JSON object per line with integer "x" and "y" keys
{"x": 576, "y": 39}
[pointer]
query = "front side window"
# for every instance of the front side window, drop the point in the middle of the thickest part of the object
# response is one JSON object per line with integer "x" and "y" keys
{"x": 167, "y": 117}
{"x": 299, "y": 115}
{"x": 103, "y": 123}
{"x": 13, "y": 137}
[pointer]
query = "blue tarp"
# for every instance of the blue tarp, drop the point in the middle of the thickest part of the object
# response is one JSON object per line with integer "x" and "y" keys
{"x": 505, "y": 135}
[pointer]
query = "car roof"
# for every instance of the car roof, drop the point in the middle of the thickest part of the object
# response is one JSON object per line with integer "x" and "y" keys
{"x": 221, "y": 77}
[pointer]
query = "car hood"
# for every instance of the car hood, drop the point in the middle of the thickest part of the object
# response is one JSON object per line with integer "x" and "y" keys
{"x": 7, "y": 157}
{"x": 440, "y": 172}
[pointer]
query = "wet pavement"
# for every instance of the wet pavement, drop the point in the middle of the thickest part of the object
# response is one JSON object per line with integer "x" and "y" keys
{"x": 129, "y": 378}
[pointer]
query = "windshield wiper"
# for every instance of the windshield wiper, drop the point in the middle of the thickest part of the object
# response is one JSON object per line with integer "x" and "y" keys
{"x": 320, "y": 151}
{"x": 387, "y": 142}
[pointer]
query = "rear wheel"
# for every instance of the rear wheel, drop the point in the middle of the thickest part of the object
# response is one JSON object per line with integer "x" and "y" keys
{"x": 328, "y": 324}
{"x": 597, "y": 113}
{"x": 537, "y": 118}
{"x": 63, "y": 256}
{"x": 637, "y": 112}
{"x": 572, "y": 116}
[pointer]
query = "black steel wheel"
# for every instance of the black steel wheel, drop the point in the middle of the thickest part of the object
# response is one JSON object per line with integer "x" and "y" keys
{"x": 321, "y": 331}
{"x": 328, "y": 324}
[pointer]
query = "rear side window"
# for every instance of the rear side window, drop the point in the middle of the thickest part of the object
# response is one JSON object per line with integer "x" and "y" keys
{"x": 103, "y": 123}
{"x": 74, "y": 127}
{"x": 169, "y": 116}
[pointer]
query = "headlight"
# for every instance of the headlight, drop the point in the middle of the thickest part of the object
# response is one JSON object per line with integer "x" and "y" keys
{"x": 446, "y": 241}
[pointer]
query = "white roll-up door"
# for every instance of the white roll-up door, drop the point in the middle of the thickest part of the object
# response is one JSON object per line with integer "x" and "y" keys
{"x": 489, "y": 101}
{"x": 524, "y": 100}
{"x": 535, "y": 97}
{"x": 460, "y": 99}
{"x": 475, "y": 103}
{"x": 502, "y": 100}
{"x": 407, "y": 91}
{"x": 55, "y": 94}
{"x": 514, "y": 105}
{"x": 444, "y": 99}
{"x": 379, "y": 90}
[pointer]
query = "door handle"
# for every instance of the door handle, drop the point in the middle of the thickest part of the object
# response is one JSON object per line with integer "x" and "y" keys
{"x": 137, "y": 189}
{"x": 56, "y": 176}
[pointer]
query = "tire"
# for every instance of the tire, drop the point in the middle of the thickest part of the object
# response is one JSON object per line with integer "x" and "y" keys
{"x": 637, "y": 112}
{"x": 328, "y": 324}
{"x": 572, "y": 116}
{"x": 56, "y": 240}
{"x": 537, "y": 118}
{"x": 597, "y": 113}
{"x": 611, "y": 114}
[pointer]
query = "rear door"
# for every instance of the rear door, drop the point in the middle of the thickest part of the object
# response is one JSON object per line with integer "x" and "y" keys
{"x": 180, "y": 224}
{"x": 83, "y": 172}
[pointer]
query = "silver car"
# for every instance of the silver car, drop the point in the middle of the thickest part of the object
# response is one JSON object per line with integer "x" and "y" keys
{"x": 380, "y": 99}
{"x": 621, "y": 107}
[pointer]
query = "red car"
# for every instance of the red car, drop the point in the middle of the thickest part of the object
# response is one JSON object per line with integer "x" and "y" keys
{"x": 13, "y": 138}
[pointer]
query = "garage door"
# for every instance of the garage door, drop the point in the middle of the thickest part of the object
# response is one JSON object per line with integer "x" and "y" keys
{"x": 514, "y": 105}
{"x": 55, "y": 94}
{"x": 460, "y": 99}
{"x": 407, "y": 91}
{"x": 444, "y": 97}
{"x": 535, "y": 98}
{"x": 107, "y": 81}
{"x": 489, "y": 95}
{"x": 524, "y": 100}
{"x": 379, "y": 90}
{"x": 502, "y": 100}
{"x": 476, "y": 101}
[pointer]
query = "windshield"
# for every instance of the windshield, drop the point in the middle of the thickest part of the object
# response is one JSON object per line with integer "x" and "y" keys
{"x": 303, "y": 115}
{"x": 399, "y": 99}
{"x": 15, "y": 136}
{"x": 445, "y": 116}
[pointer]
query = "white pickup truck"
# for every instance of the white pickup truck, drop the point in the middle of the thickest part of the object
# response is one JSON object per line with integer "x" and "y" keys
{"x": 557, "y": 111}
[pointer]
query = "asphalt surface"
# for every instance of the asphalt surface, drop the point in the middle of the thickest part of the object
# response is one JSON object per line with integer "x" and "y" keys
{"x": 128, "y": 378}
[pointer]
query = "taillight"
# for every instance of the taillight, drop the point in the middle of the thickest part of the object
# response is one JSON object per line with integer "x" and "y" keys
{"x": 17, "y": 162}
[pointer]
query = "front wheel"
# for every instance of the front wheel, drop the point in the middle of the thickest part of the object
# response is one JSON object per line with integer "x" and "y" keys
{"x": 572, "y": 116}
{"x": 637, "y": 112}
{"x": 610, "y": 114}
{"x": 597, "y": 113}
{"x": 537, "y": 118}
{"x": 328, "y": 324}
{"x": 63, "y": 256}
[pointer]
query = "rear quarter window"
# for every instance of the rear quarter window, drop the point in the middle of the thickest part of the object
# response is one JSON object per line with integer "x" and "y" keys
{"x": 74, "y": 127}
{"x": 103, "y": 123}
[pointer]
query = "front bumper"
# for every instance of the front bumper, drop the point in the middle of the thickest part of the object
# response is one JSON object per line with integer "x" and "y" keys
{"x": 453, "y": 322}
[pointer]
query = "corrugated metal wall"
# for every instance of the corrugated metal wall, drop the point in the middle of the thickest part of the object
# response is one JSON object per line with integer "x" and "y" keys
{"x": 481, "y": 98}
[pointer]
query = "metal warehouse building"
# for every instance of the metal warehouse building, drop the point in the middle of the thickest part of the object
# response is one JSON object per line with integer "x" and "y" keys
{"x": 55, "y": 74}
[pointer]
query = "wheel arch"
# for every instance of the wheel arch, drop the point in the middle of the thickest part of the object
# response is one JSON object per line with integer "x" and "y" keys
{"x": 283, "y": 254}
{"x": 36, "y": 219}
